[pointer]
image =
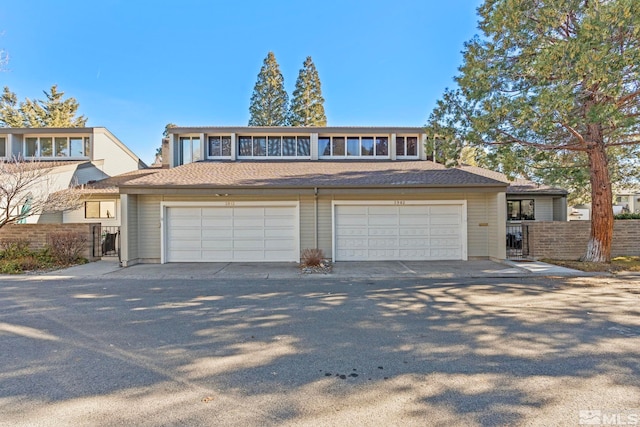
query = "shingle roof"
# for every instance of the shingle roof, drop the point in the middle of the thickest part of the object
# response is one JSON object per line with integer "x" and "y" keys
{"x": 517, "y": 185}
{"x": 310, "y": 174}
{"x": 110, "y": 185}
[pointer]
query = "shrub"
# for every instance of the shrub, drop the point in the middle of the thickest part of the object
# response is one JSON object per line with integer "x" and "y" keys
{"x": 627, "y": 216}
{"x": 66, "y": 248}
{"x": 14, "y": 248}
{"x": 312, "y": 257}
{"x": 9, "y": 267}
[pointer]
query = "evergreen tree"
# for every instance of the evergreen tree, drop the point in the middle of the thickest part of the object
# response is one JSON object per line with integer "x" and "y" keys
{"x": 553, "y": 81}
{"x": 52, "y": 112}
{"x": 10, "y": 115}
{"x": 307, "y": 106}
{"x": 269, "y": 100}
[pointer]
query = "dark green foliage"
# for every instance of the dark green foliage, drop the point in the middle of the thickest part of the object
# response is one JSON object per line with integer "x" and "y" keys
{"x": 54, "y": 111}
{"x": 628, "y": 216}
{"x": 269, "y": 101}
{"x": 307, "y": 106}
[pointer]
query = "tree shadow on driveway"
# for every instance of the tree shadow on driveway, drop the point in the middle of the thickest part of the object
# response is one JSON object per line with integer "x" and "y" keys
{"x": 301, "y": 352}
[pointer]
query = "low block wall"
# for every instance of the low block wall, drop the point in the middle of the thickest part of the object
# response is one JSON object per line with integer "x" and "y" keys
{"x": 568, "y": 240}
{"x": 37, "y": 234}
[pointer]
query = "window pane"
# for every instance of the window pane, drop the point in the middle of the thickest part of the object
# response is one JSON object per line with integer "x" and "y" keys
{"x": 185, "y": 151}
{"x": 107, "y": 209}
{"x": 304, "y": 146}
{"x": 412, "y": 146}
{"x": 76, "y": 146}
{"x": 275, "y": 146}
{"x": 87, "y": 146}
{"x": 527, "y": 210}
{"x": 92, "y": 209}
{"x": 214, "y": 146}
{"x": 259, "y": 146}
{"x": 513, "y": 209}
{"x": 61, "y": 146}
{"x": 367, "y": 146}
{"x": 324, "y": 146}
{"x": 195, "y": 149}
{"x": 226, "y": 146}
{"x": 382, "y": 146}
{"x": 353, "y": 146}
{"x": 3, "y": 147}
{"x": 30, "y": 147}
{"x": 337, "y": 143}
{"x": 400, "y": 146}
{"x": 46, "y": 147}
{"x": 289, "y": 146}
{"x": 244, "y": 145}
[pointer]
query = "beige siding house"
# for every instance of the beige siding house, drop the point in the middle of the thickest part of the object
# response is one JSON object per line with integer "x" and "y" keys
{"x": 262, "y": 194}
{"x": 76, "y": 156}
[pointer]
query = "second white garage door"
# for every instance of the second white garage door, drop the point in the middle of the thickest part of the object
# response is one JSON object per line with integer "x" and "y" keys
{"x": 410, "y": 231}
{"x": 231, "y": 234}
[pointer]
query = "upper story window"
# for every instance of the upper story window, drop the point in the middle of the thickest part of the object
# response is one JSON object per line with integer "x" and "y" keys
{"x": 55, "y": 147}
{"x": 219, "y": 146}
{"x": 3, "y": 147}
{"x": 518, "y": 210}
{"x": 353, "y": 146}
{"x": 274, "y": 146}
{"x": 406, "y": 146}
{"x": 189, "y": 149}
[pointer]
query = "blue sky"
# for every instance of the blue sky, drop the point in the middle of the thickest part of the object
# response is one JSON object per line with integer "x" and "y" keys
{"x": 135, "y": 66}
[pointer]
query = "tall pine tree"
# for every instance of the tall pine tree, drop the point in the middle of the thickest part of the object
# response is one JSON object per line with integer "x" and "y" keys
{"x": 307, "y": 106}
{"x": 52, "y": 112}
{"x": 269, "y": 101}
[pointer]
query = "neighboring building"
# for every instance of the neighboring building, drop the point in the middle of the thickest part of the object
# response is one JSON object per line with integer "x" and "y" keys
{"x": 528, "y": 201}
{"x": 265, "y": 193}
{"x": 76, "y": 156}
{"x": 626, "y": 201}
{"x": 101, "y": 200}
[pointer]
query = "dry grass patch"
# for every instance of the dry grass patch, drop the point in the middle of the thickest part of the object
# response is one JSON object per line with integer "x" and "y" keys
{"x": 622, "y": 263}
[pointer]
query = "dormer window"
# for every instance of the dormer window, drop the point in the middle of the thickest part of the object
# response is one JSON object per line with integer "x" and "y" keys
{"x": 353, "y": 146}
{"x": 274, "y": 146}
{"x": 406, "y": 146}
{"x": 189, "y": 149}
{"x": 47, "y": 147}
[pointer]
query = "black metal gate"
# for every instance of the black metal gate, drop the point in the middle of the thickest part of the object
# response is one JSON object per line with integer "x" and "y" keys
{"x": 517, "y": 241}
{"x": 106, "y": 241}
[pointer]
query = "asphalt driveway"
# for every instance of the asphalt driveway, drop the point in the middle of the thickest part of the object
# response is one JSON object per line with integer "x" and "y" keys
{"x": 326, "y": 351}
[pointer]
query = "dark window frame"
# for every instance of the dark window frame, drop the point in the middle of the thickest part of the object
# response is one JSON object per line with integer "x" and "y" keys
{"x": 519, "y": 211}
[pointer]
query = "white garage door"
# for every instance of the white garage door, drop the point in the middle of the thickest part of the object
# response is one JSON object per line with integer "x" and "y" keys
{"x": 367, "y": 232}
{"x": 231, "y": 234}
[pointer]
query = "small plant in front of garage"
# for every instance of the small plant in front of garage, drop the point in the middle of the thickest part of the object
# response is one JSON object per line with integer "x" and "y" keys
{"x": 314, "y": 261}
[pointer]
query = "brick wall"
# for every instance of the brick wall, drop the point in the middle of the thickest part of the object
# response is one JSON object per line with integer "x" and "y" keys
{"x": 568, "y": 240}
{"x": 37, "y": 234}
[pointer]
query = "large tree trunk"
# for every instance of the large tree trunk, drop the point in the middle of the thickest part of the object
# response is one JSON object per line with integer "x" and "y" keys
{"x": 599, "y": 247}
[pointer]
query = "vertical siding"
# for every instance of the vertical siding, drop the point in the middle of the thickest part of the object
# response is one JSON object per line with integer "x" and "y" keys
{"x": 132, "y": 226}
{"x": 307, "y": 223}
{"x": 149, "y": 232}
{"x": 477, "y": 231}
{"x": 543, "y": 208}
{"x": 325, "y": 226}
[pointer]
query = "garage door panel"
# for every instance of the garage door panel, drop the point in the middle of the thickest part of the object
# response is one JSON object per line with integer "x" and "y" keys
{"x": 286, "y": 233}
{"x": 184, "y": 233}
{"x": 217, "y": 222}
{"x": 444, "y": 220}
{"x": 399, "y": 232}
{"x": 186, "y": 212}
{"x": 382, "y": 220}
{"x": 231, "y": 233}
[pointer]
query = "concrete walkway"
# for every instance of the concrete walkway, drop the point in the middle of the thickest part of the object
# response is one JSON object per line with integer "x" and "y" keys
{"x": 341, "y": 270}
